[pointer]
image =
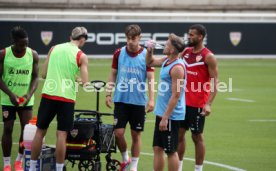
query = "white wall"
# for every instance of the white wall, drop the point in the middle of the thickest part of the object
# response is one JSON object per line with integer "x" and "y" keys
{"x": 157, "y": 4}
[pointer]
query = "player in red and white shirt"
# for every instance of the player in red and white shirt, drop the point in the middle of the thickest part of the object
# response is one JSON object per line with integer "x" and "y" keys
{"x": 202, "y": 72}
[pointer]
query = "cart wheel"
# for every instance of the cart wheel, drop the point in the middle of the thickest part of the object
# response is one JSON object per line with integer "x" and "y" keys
{"x": 113, "y": 165}
{"x": 86, "y": 165}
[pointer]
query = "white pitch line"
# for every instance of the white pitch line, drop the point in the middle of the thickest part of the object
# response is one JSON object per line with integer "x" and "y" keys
{"x": 241, "y": 100}
{"x": 263, "y": 120}
{"x": 205, "y": 162}
{"x": 185, "y": 158}
{"x": 249, "y": 65}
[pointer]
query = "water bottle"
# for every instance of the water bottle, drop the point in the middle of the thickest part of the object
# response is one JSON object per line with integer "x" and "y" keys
{"x": 21, "y": 100}
{"x": 154, "y": 44}
{"x": 29, "y": 133}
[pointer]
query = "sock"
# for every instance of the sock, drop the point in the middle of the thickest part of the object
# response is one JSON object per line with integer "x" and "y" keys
{"x": 198, "y": 167}
{"x": 180, "y": 165}
{"x": 125, "y": 156}
{"x": 7, "y": 161}
{"x": 33, "y": 164}
{"x": 59, "y": 166}
{"x": 134, "y": 163}
{"x": 19, "y": 157}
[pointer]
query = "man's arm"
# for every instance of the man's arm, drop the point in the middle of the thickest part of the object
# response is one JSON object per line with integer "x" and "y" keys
{"x": 213, "y": 72}
{"x": 84, "y": 69}
{"x": 110, "y": 86}
{"x": 45, "y": 65}
{"x": 112, "y": 78}
{"x": 34, "y": 79}
{"x": 150, "y": 105}
{"x": 177, "y": 75}
{"x": 3, "y": 86}
{"x": 152, "y": 61}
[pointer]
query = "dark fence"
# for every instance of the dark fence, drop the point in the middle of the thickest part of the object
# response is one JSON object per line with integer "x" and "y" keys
{"x": 106, "y": 37}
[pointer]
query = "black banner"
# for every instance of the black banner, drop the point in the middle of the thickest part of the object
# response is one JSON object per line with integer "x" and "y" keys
{"x": 106, "y": 37}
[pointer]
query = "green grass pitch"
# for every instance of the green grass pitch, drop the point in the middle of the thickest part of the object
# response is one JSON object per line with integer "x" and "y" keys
{"x": 239, "y": 134}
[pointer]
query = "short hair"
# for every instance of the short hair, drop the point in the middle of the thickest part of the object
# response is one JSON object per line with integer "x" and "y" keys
{"x": 79, "y": 32}
{"x": 177, "y": 42}
{"x": 18, "y": 33}
{"x": 133, "y": 30}
{"x": 200, "y": 29}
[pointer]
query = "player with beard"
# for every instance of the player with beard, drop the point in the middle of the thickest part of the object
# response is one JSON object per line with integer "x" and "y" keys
{"x": 202, "y": 70}
{"x": 170, "y": 104}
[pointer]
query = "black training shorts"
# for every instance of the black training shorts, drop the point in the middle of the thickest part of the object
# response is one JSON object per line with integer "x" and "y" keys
{"x": 48, "y": 109}
{"x": 9, "y": 112}
{"x": 168, "y": 140}
{"x": 193, "y": 120}
{"x": 134, "y": 114}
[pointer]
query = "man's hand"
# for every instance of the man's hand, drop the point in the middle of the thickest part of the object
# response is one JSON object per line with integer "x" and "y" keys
{"x": 14, "y": 99}
{"x": 150, "y": 45}
{"x": 27, "y": 98}
{"x": 108, "y": 101}
{"x": 163, "y": 124}
{"x": 150, "y": 106}
{"x": 78, "y": 80}
{"x": 206, "y": 110}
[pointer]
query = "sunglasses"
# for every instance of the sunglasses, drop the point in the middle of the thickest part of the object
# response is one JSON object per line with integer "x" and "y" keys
{"x": 82, "y": 35}
{"x": 177, "y": 46}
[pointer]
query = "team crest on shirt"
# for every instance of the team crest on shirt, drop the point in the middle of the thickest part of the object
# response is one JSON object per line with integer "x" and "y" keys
{"x": 235, "y": 38}
{"x": 74, "y": 132}
{"x": 5, "y": 114}
{"x": 186, "y": 56}
{"x": 198, "y": 58}
{"x": 46, "y": 37}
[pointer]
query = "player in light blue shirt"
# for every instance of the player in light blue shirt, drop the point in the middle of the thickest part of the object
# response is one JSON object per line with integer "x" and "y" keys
{"x": 170, "y": 104}
{"x": 129, "y": 73}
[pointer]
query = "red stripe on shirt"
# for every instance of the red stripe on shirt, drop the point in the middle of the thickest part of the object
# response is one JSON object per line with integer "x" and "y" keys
{"x": 116, "y": 55}
{"x": 150, "y": 69}
{"x": 57, "y": 98}
{"x": 78, "y": 58}
{"x": 50, "y": 51}
{"x": 115, "y": 59}
{"x": 4, "y": 53}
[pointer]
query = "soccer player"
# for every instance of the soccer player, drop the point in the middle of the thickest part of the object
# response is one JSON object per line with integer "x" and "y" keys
{"x": 58, "y": 93}
{"x": 202, "y": 69}
{"x": 129, "y": 69}
{"x": 18, "y": 82}
{"x": 170, "y": 104}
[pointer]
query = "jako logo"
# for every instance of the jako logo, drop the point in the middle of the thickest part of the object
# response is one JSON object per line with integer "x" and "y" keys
{"x": 12, "y": 71}
{"x": 22, "y": 71}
